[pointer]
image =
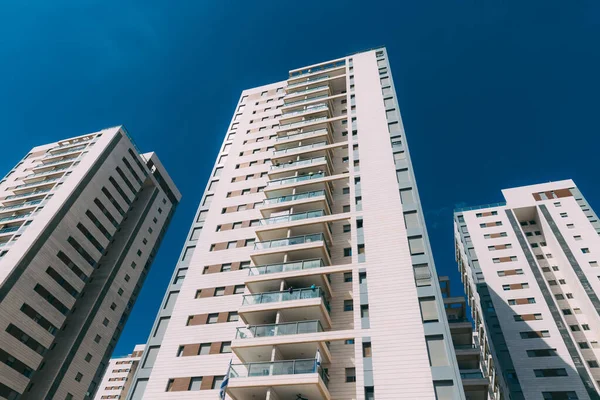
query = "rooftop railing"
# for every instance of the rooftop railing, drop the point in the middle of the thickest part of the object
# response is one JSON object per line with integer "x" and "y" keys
{"x": 308, "y": 81}
{"x": 318, "y": 69}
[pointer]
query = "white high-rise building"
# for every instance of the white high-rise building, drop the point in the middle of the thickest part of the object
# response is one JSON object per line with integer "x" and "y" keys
{"x": 116, "y": 382}
{"x": 530, "y": 271}
{"x": 81, "y": 220}
{"x": 308, "y": 264}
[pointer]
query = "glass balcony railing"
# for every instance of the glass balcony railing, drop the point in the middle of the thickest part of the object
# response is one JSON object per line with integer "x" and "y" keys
{"x": 292, "y": 328}
{"x": 307, "y": 91}
{"x": 299, "y": 148}
{"x": 285, "y": 295}
{"x": 10, "y": 229}
{"x": 300, "y": 135}
{"x": 293, "y": 103}
{"x": 286, "y": 267}
{"x": 26, "y": 204}
{"x": 303, "y": 122}
{"x": 52, "y": 171}
{"x": 308, "y": 81}
{"x": 275, "y": 243}
{"x": 318, "y": 69}
{"x": 299, "y": 196}
{"x": 56, "y": 162}
{"x": 286, "y": 181}
{"x": 300, "y": 163}
{"x": 13, "y": 217}
{"x": 16, "y": 196}
{"x": 287, "y": 367}
{"x": 36, "y": 183}
{"x": 65, "y": 151}
{"x": 317, "y": 107}
{"x": 73, "y": 144}
{"x": 471, "y": 375}
{"x": 292, "y": 217}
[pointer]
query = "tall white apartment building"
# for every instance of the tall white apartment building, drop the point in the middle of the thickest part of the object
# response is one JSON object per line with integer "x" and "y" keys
{"x": 308, "y": 264}
{"x": 116, "y": 382}
{"x": 530, "y": 271}
{"x": 80, "y": 222}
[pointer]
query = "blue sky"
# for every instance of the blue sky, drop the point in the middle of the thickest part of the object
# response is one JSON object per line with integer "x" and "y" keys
{"x": 493, "y": 94}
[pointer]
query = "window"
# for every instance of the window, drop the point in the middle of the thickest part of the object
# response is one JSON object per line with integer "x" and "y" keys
{"x": 560, "y": 396}
{"x": 577, "y": 237}
{"x": 349, "y": 341}
{"x": 542, "y": 353}
{"x": 367, "y": 351}
{"x": 585, "y": 250}
{"x": 212, "y": 318}
{"x": 348, "y": 305}
{"x": 204, "y": 349}
{"x": 220, "y": 291}
{"x": 249, "y": 242}
{"x": 550, "y": 372}
{"x": 348, "y": 252}
{"x": 346, "y": 190}
{"x": 534, "y": 334}
{"x": 225, "y": 347}
{"x": 350, "y": 375}
{"x": 217, "y": 382}
{"x": 592, "y": 363}
{"x": 195, "y": 383}
{"x": 347, "y": 276}
{"x": 570, "y": 226}
{"x": 583, "y": 345}
{"x": 346, "y": 228}
{"x": 416, "y": 245}
{"x": 564, "y": 215}
{"x": 233, "y": 317}
{"x": 239, "y": 289}
{"x": 429, "y": 311}
{"x": 231, "y": 245}
{"x": 78, "y": 377}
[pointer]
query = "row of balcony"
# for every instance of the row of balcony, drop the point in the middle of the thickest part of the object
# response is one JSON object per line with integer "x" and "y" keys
{"x": 34, "y": 193}
{"x": 62, "y": 160}
{"x": 65, "y": 151}
{"x": 36, "y": 183}
{"x": 52, "y": 171}
{"x": 294, "y": 135}
{"x": 14, "y": 217}
{"x": 20, "y": 205}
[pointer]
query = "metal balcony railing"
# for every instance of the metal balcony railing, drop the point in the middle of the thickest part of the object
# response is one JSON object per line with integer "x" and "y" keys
{"x": 291, "y": 328}
{"x": 287, "y": 367}
{"x": 308, "y": 81}
{"x": 275, "y": 243}
{"x": 285, "y": 295}
{"x": 73, "y": 144}
{"x": 292, "y": 217}
{"x": 286, "y": 267}
{"x": 26, "y": 204}
{"x": 16, "y": 196}
{"x": 300, "y": 196}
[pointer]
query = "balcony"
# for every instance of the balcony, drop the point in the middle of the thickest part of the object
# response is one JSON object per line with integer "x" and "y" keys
{"x": 61, "y": 161}
{"x": 297, "y": 135}
{"x": 285, "y": 379}
{"x": 14, "y": 217}
{"x": 300, "y": 102}
{"x": 302, "y": 123}
{"x": 467, "y": 356}
{"x": 10, "y": 229}
{"x": 296, "y": 203}
{"x": 475, "y": 384}
{"x": 75, "y": 143}
{"x": 305, "y": 247}
{"x": 65, "y": 151}
{"x": 297, "y": 179}
{"x": 309, "y": 81}
{"x": 20, "y": 205}
{"x": 292, "y": 217}
{"x": 300, "y": 273}
{"x": 28, "y": 194}
{"x": 286, "y": 267}
{"x": 292, "y": 340}
{"x": 36, "y": 183}
{"x": 49, "y": 172}
{"x": 306, "y": 110}
{"x": 314, "y": 70}
{"x": 292, "y": 305}
{"x": 319, "y": 91}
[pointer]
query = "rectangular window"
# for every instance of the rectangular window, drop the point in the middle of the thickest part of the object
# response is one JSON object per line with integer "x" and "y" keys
{"x": 550, "y": 372}
{"x": 348, "y": 305}
{"x": 350, "y": 375}
{"x": 212, "y": 318}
